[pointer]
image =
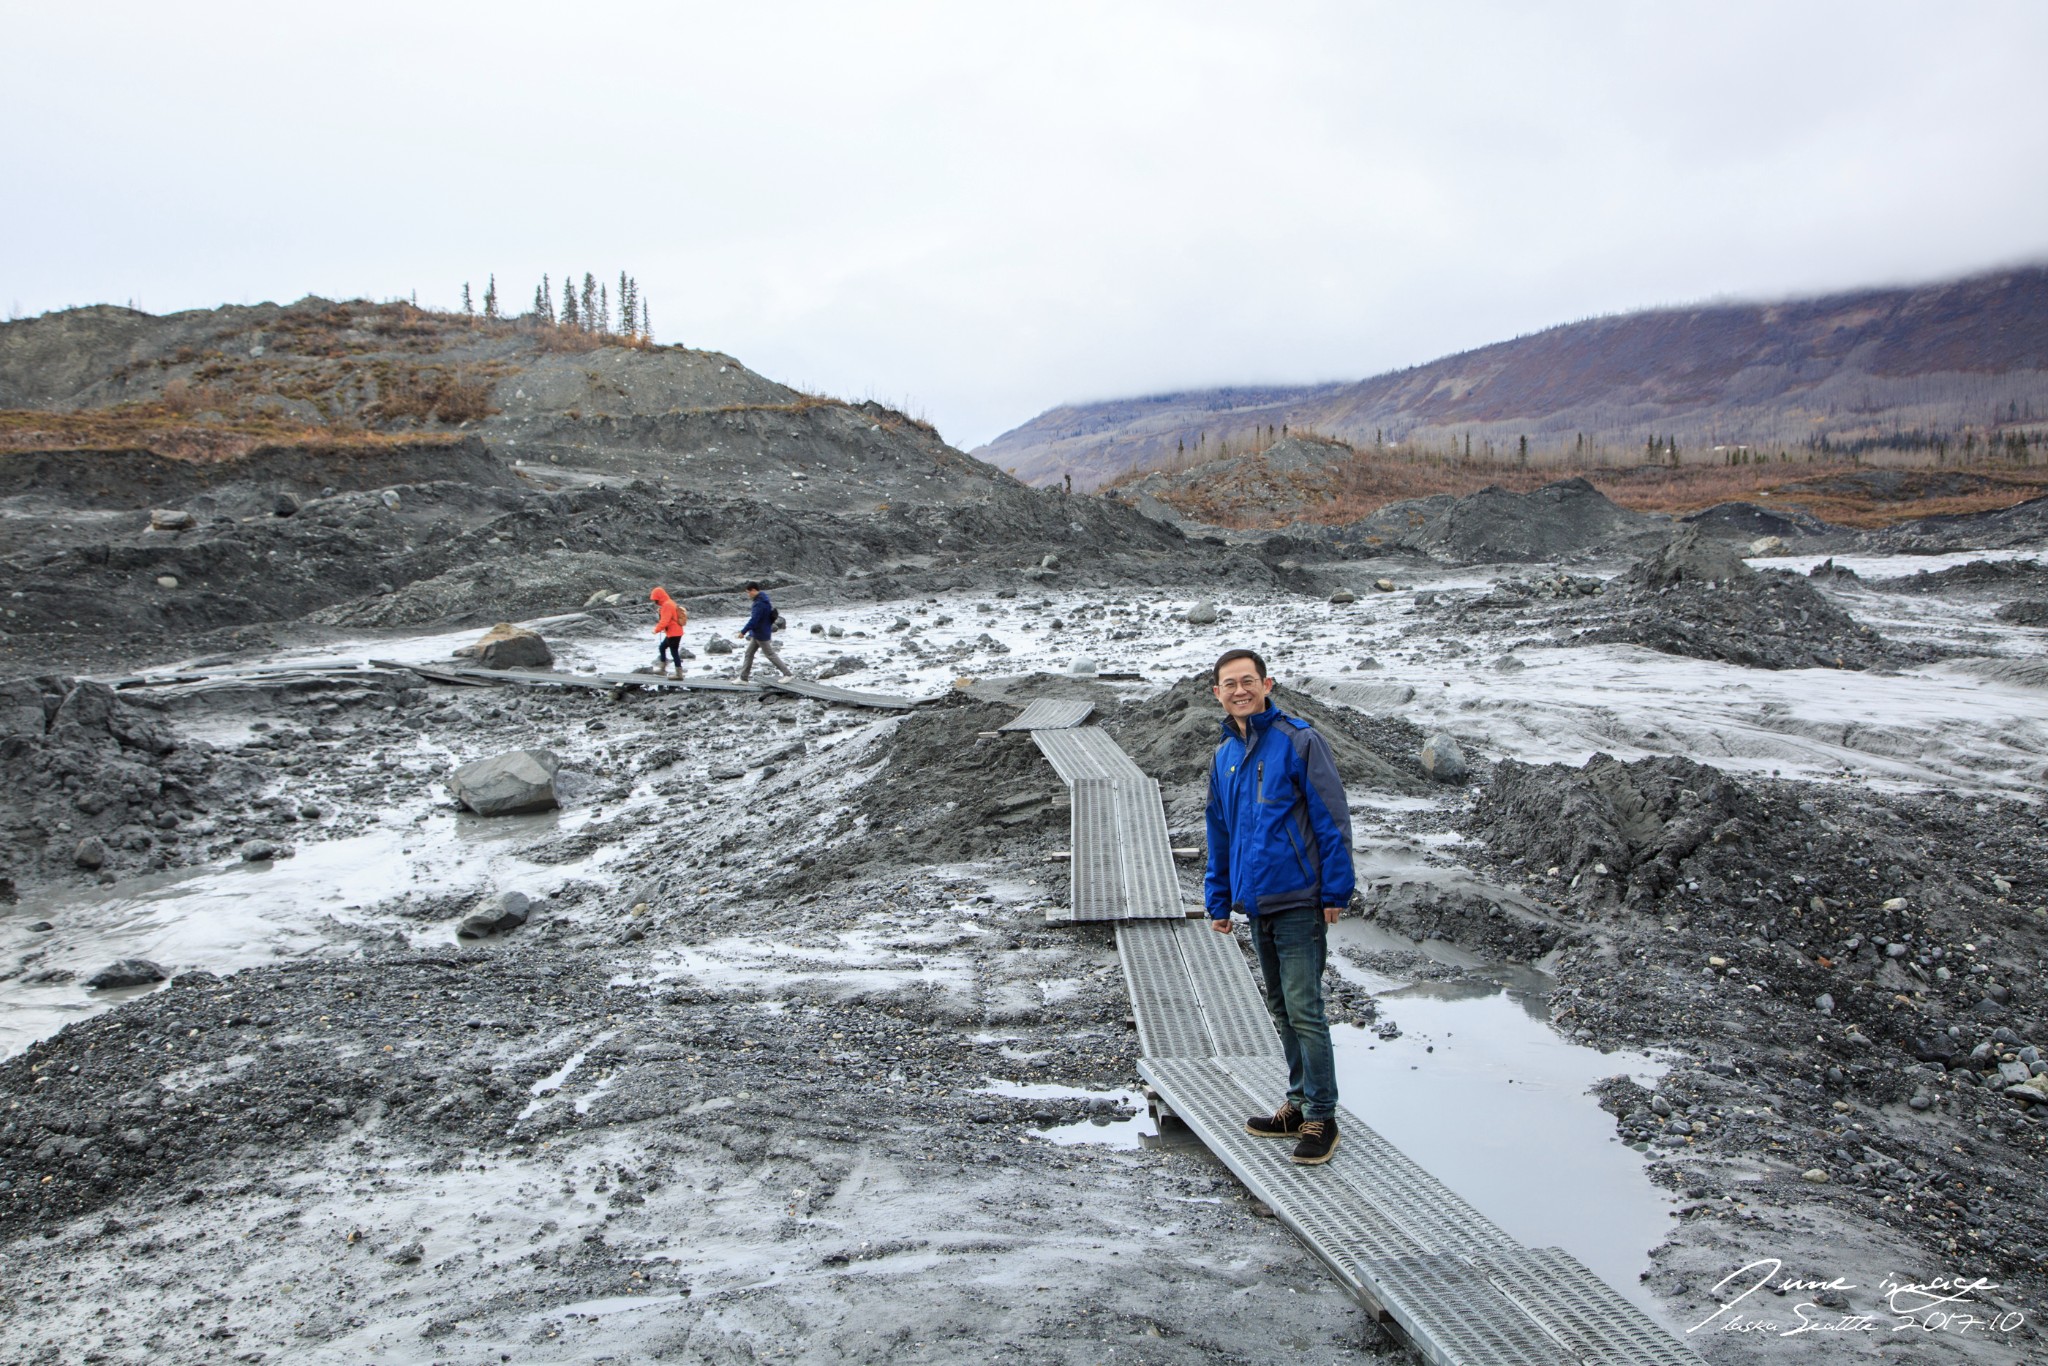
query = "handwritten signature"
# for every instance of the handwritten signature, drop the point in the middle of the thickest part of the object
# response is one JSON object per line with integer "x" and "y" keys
{"x": 1944, "y": 1304}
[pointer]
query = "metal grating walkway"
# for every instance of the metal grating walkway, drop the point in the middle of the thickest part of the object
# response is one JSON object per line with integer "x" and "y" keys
{"x": 1122, "y": 863}
{"x": 1050, "y": 713}
{"x": 825, "y": 692}
{"x": 1414, "y": 1252}
{"x": 1085, "y": 752}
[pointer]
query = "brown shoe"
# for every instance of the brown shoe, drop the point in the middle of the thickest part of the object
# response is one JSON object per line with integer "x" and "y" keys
{"x": 1318, "y": 1142}
{"x": 1284, "y": 1122}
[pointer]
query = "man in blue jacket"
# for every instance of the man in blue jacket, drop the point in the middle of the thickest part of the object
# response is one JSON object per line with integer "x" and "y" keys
{"x": 1280, "y": 855}
{"x": 759, "y": 633}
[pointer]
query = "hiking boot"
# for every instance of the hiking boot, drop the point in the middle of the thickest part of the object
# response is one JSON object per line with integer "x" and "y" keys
{"x": 1284, "y": 1122}
{"x": 1318, "y": 1142}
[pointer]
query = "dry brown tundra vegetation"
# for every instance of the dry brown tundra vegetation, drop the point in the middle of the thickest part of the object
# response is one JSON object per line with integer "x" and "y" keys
{"x": 1339, "y": 483}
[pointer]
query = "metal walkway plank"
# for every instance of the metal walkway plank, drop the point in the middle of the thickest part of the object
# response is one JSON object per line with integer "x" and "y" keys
{"x": 1433, "y": 1215}
{"x": 1051, "y": 713}
{"x": 1453, "y": 1316}
{"x": 1343, "y": 1231}
{"x": 1594, "y": 1321}
{"x": 825, "y": 692}
{"x": 1085, "y": 752}
{"x": 1151, "y": 887}
{"x": 1096, "y": 882}
{"x": 1233, "y": 1002}
{"x": 1163, "y": 1000}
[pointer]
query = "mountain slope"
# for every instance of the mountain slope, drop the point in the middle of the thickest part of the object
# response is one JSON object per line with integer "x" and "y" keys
{"x": 1875, "y": 367}
{"x": 210, "y": 383}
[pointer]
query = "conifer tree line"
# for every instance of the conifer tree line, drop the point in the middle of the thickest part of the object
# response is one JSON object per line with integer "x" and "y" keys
{"x": 590, "y": 307}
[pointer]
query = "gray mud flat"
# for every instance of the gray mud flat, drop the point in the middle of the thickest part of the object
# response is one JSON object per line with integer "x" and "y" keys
{"x": 786, "y": 1062}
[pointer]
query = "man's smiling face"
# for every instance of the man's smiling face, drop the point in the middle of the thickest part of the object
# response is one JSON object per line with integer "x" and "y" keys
{"x": 1240, "y": 689}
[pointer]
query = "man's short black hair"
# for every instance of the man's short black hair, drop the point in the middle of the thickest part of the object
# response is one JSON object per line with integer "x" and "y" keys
{"x": 1216, "y": 674}
{"x": 753, "y": 588}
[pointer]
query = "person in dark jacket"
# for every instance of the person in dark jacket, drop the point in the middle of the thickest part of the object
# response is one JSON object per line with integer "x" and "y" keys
{"x": 1280, "y": 855}
{"x": 759, "y": 633}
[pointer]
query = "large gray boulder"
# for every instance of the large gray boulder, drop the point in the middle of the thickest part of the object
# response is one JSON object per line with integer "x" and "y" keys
{"x": 1202, "y": 613}
{"x": 506, "y": 646}
{"x": 508, "y": 784}
{"x": 1443, "y": 760}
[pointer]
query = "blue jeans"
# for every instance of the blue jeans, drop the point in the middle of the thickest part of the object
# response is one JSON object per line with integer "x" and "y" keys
{"x": 1292, "y": 946}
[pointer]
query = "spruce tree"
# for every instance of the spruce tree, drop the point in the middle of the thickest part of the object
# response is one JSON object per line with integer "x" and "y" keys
{"x": 571, "y": 315}
{"x": 646, "y": 328}
{"x": 589, "y": 301}
{"x": 491, "y": 298}
{"x": 628, "y": 315}
{"x": 604, "y": 309}
{"x": 467, "y": 307}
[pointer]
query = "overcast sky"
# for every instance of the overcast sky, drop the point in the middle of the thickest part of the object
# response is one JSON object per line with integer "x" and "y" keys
{"x": 979, "y": 210}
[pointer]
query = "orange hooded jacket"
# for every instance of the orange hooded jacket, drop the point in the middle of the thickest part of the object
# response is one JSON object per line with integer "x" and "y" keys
{"x": 672, "y": 618}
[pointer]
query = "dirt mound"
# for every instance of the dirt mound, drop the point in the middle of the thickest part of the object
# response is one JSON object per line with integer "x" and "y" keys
{"x": 1696, "y": 597}
{"x": 943, "y": 793}
{"x": 1993, "y": 574}
{"x": 1616, "y": 831}
{"x": 1569, "y": 517}
{"x": 1172, "y": 736}
{"x": 96, "y": 786}
{"x": 1748, "y": 522}
{"x": 1690, "y": 557}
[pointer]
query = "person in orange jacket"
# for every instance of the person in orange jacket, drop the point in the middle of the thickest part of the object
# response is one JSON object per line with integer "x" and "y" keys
{"x": 670, "y": 620}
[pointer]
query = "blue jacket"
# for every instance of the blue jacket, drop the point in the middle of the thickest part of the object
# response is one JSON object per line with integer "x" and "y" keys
{"x": 761, "y": 623}
{"x": 1279, "y": 827}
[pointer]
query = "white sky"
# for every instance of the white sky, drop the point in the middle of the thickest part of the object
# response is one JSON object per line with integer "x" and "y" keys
{"x": 979, "y": 210}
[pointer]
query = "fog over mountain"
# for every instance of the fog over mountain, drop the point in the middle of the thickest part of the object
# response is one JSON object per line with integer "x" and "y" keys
{"x": 1907, "y": 367}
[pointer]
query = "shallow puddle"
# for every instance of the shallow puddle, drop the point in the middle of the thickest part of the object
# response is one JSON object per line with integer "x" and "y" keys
{"x": 220, "y": 917}
{"x": 1482, "y": 1093}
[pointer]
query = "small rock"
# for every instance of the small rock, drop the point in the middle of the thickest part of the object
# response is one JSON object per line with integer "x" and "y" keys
{"x": 1443, "y": 760}
{"x": 2012, "y": 1073}
{"x": 1767, "y": 545}
{"x": 1050, "y": 561}
{"x": 1202, "y": 613}
{"x": 129, "y": 972}
{"x": 725, "y": 773}
{"x": 171, "y": 519}
{"x": 1342, "y": 597}
{"x": 91, "y": 852}
{"x": 1384, "y": 585}
{"x": 1921, "y": 1100}
{"x": 1508, "y": 664}
{"x": 1082, "y": 666}
{"x": 1824, "y": 1003}
{"x": 1815, "y": 1175}
{"x": 285, "y": 504}
{"x": 407, "y": 1255}
{"x": 1895, "y": 950}
{"x": 503, "y": 912}
{"x": 167, "y": 581}
{"x": 718, "y": 645}
{"x": 263, "y": 851}
{"x": 1895, "y": 903}
{"x": 389, "y": 498}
